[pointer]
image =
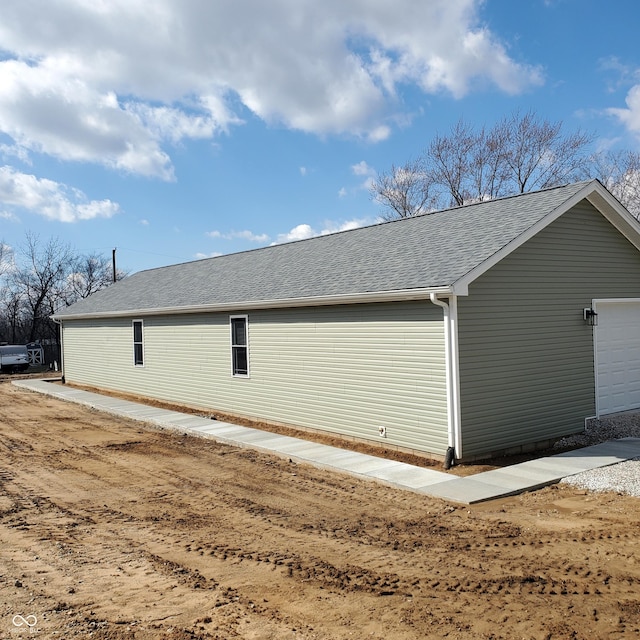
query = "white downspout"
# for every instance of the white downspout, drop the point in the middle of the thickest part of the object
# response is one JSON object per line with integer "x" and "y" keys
{"x": 454, "y": 435}
{"x": 59, "y": 323}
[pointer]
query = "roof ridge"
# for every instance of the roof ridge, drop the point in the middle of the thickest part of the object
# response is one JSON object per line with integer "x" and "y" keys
{"x": 580, "y": 183}
{"x": 369, "y": 226}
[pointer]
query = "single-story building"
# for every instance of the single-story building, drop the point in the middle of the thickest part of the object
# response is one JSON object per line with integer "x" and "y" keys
{"x": 478, "y": 330}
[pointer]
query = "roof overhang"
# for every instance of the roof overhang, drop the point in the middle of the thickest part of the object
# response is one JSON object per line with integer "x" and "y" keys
{"x": 399, "y": 295}
{"x": 596, "y": 194}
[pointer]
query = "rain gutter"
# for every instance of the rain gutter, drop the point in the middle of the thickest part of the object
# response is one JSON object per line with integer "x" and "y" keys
{"x": 399, "y": 295}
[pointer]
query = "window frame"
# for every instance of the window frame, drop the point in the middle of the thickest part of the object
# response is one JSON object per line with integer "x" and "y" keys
{"x": 237, "y": 372}
{"x": 138, "y": 343}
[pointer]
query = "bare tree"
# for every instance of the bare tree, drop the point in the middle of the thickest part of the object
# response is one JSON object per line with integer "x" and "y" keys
{"x": 488, "y": 175}
{"x": 619, "y": 171}
{"x": 41, "y": 278}
{"x": 468, "y": 165}
{"x": 12, "y": 316}
{"x": 539, "y": 154}
{"x": 520, "y": 153}
{"x": 402, "y": 191}
{"x": 10, "y": 303}
{"x": 89, "y": 273}
{"x": 449, "y": 161}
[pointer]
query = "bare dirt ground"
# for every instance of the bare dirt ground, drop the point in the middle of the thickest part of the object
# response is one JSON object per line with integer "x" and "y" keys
{"x": 113, "y": 529}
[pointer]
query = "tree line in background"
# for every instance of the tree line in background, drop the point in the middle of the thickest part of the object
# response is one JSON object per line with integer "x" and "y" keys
{"x": 38, "y": 279}
{"x": 521, "y": 153}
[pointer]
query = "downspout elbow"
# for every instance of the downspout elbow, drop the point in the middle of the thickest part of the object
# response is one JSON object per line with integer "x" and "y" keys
{"x": 440, "y": 303}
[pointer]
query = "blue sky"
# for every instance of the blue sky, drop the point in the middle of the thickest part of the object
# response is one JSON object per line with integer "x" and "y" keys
{"x": 180, "y": 129}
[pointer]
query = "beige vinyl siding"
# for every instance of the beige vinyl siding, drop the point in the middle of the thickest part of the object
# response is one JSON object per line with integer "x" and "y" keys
{"x": 343, "y": 369}
{"x": 526, "y": 355}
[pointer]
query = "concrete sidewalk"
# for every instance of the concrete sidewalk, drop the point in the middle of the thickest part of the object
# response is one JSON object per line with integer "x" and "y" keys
{"x": 488, "y": 485}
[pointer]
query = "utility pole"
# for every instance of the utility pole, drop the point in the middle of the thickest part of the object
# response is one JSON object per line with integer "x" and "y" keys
{"x": 114, "y": 264}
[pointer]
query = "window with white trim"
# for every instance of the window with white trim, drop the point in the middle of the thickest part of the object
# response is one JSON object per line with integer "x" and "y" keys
{"x": 239, "y": 345}
{"x": 138, "y": 344}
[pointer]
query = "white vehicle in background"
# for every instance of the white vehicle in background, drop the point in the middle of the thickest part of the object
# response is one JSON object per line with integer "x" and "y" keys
{"x": 13, "y": 357}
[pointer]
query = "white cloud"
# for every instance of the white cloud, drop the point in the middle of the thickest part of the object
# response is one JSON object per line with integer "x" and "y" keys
{"x": 50, "y": 199}
{"x": 300, "y": 232}
{"x": 45, "y": 111}
{"x": 239, "y": 235}
{"x": 117, "y": 82}
{"x": 305, "y": 231}
{"x": 202, "y": 256}
{"x": 174, "y": 124}
{"x": 630, "y": 117}
{"x": 362, "y": 169}
{"x": 8, "y": 215}
{"x": 15, "y": 151}
{"x": 618, "y": 73}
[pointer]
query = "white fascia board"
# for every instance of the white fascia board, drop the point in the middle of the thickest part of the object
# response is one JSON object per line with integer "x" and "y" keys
{"x": 596, "y": 194}
{"x": 597, "y": 301}
{"x": 400, "y": 295}
{"x": 617, "y": 214}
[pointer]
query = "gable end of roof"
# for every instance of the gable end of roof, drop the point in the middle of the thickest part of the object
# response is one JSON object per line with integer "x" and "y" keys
{"x": 592, "y": 191}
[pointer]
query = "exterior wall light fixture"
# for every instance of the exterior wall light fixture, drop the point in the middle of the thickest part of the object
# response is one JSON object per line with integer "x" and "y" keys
{"x": 590, "y": 316}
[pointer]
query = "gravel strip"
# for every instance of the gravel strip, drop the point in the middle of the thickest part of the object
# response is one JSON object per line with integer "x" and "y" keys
{"x": 621, "y": 478}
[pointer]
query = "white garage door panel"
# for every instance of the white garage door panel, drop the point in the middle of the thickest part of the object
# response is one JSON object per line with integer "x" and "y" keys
{"x": 618, "y": 356}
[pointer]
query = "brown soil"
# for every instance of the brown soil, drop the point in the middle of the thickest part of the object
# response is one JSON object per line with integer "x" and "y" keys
{"x": 113, "y": 529}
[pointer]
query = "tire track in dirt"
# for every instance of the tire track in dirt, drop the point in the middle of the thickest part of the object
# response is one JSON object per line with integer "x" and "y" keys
{"x": 356, "y": 578}
{"x": 331, "y": 574}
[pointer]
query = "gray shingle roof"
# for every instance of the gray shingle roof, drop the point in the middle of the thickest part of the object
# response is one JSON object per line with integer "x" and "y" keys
{"x": 425, "y": 252}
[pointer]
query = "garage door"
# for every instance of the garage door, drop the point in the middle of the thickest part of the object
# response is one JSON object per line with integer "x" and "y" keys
{"x": 617, "y": 339}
